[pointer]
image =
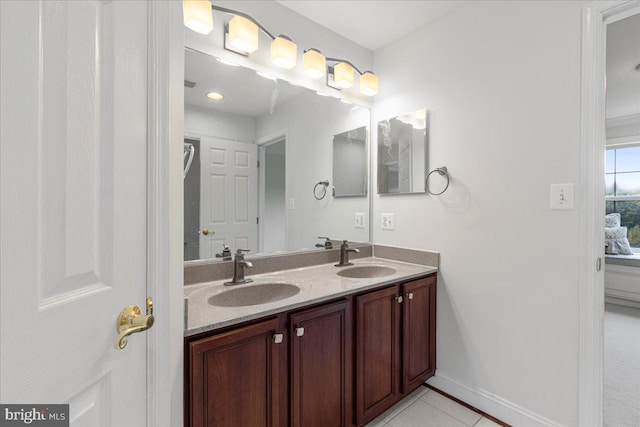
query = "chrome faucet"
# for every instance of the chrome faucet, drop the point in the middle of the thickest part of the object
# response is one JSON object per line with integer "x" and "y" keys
{"x": 239, "y": 264}
{"x": 344, "y": 254}
{"x": 327, "y": 243}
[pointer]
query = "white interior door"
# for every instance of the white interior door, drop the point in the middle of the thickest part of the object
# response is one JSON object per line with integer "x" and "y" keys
{"x": 228, "y": 196}
{"x": 73, "y": 198}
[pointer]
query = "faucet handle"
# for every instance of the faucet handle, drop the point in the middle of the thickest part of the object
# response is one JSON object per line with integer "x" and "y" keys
{"x": 325, "y": 238}
{"x": 239, "y": 251}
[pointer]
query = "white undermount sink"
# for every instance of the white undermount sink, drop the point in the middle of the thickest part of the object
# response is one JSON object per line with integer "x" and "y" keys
{"x": 366, "y": 271}
{"x": 254, "y": 294}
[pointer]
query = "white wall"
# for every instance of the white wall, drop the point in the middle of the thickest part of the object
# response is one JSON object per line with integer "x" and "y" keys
{"x": 201, "y": 121}
{"x": 502, "y": 83}
{"x": 311, "y": 122}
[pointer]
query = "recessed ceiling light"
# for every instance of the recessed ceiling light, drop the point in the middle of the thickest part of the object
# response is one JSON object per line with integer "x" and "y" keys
{"x": 215, "y": 96}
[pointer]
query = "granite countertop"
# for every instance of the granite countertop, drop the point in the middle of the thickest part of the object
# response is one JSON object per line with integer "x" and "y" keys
{"x": 317, "y": 283}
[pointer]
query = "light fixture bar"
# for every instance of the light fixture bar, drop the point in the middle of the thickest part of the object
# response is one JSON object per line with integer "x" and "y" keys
{"x": 244, "y": 15}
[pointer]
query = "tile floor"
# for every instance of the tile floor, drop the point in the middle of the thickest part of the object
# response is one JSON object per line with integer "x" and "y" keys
{"x": 427, "y": 408}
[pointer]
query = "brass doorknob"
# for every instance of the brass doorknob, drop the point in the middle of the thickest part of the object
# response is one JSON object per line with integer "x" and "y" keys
{"x": 206, "y": 231}
{"x": 131, "y": 321}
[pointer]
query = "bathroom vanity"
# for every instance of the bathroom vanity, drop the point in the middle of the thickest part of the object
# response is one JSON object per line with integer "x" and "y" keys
{"x": 340, "y": 351}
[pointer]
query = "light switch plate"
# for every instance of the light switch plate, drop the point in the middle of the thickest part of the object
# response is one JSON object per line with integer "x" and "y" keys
{"x": 561, "y": 197}
{"x": 359, "y": 219}
{"x": 388, "y": 223}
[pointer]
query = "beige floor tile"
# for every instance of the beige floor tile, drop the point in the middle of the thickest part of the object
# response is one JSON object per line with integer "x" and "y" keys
{"x": 421, "y": 414}
{"x": 486, "y": 422}
{"x": 449, "y": 407}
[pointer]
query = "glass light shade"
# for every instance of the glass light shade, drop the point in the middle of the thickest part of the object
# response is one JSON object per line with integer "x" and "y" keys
{"x": 243, "y": 34}
{"x": 314, "y": 64}
{"x": 343, "y": 75}
{"x": 369, "y": 84}
{"x": 215, "y": 96}
{"x": 284, "y": 52}
{"x": 197, "y": 15}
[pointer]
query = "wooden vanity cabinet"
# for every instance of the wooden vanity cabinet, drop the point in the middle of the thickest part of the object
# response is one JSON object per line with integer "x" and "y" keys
{"x": 235, "y": 378}
{"x": 320, "y": 366}
{"x": 395, "y": 344}
{"x": 241, "y": 377}
{"x": 296, "y": 368}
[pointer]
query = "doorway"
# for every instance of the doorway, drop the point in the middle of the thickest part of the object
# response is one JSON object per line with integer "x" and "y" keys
{"x": 596, "y": 16}
{"x": 621, "y": 393}
{"x": 273, "y": 195}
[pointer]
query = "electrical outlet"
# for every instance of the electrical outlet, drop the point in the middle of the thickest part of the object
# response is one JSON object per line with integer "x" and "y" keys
{"x": 292, "y": 203}
{"x": 359, "y": 219}
{"x": 561, "y": 196}
{"x": 388, "y": 222}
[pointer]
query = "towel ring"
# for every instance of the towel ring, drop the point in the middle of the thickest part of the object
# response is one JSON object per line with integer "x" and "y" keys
{"x": 323, "y": 188}
{"x": 442, "y": 171}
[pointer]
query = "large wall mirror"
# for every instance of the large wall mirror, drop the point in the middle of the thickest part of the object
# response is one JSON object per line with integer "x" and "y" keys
{"x": 402, "y": 153}
{"x": 289, "y": 132}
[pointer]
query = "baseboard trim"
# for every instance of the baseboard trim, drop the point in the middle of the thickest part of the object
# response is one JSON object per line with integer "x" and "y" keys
{"x": 496, "y": 407}
{"x": 466, "y": 405}
{"x": 610, "y": 299}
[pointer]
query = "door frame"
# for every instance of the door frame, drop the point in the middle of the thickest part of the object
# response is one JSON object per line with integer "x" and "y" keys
{"x": 595, "y": 17}
{"x": 165, "y": 265}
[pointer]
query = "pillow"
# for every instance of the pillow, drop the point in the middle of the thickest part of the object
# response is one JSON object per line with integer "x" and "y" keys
{"x": 612, "y": 220}
{"x": 616, "y": 239}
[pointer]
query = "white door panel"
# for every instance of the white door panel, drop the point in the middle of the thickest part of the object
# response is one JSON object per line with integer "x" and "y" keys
{"x": 229, "y": 196}
{"x": 73, "y": 197}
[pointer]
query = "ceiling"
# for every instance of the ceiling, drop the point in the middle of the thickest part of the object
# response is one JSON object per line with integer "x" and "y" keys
{"x": 623, "y": 56}
{"x": 372, "y": 24}
{"x": 245, "y": 93}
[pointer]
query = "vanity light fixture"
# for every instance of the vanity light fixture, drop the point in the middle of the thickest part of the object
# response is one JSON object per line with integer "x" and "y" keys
{"x": 369, "y": 85}
{"x": 343, "y": 75}
{"x": 243, "y": 34}
{"x": 215, "y": 96}
{"x": 314, "y": 64}
{"x": 197, "y": 15}
{"x": 284, "y": 52}
{"x": 242, "y": 37}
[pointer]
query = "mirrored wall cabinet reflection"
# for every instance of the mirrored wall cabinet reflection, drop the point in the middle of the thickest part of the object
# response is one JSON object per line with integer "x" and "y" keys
{"x": 402, "y": 153}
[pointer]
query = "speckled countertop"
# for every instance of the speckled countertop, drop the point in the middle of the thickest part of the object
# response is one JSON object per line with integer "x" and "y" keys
{"x": 317, "y": 283}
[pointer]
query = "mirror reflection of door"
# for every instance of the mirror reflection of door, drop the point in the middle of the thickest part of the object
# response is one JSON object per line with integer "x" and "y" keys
{"x": 228, "y": 196}
{"x": 273, "y": 219}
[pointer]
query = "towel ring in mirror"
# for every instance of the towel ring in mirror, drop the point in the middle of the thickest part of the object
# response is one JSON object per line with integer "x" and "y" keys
{"x": 320, "y": 190}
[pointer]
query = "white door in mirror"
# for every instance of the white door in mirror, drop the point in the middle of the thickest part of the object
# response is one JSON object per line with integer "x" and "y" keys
{"x": 228, "y": 196}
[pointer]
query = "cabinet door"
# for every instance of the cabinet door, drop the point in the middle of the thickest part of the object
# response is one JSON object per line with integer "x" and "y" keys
{"x": 235, "y": 378}
{"x": 419, "y": 332}
{"x": 321, "y": 360}
{"x": 377, "y": 352}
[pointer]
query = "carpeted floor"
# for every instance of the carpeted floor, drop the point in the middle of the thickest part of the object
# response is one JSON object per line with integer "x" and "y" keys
{"x": 621, "y": 366}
